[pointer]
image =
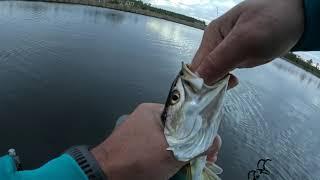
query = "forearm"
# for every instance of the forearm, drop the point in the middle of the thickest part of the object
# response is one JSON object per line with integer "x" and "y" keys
{"x": 310, "y": 40}
{"x": 63, "y": 167}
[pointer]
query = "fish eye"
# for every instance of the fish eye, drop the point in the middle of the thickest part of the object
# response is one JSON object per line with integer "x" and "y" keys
{"x": 175, "y": 97}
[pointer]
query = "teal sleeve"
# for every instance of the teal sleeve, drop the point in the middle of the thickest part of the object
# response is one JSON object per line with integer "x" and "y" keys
{"x": 63, "y": 167}
{"x": 310, "y": 40}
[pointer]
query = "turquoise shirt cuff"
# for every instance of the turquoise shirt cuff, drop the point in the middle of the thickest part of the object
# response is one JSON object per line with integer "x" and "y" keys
{"x": 310, "y": 40}
{"x": 63, "y": 167}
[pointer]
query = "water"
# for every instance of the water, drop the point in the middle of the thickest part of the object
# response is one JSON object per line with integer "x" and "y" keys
{"x": 68, "y": 71}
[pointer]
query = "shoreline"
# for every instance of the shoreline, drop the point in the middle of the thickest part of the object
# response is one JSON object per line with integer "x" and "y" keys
{"x": 295, "y": 60}
{"x": 131, "y": 9}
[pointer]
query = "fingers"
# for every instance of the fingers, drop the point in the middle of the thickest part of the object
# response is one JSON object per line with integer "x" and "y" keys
{"x": 212, "y": 153}
{"x": 227, "y": 56}
{"x": 211, "y": 38}
{"x": 217, "y": 32}
{"x": 216, "y": 65}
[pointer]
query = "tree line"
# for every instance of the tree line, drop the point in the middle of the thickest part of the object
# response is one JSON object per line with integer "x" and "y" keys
{"x": 307, "y": 65}
{"x": 147, "y": 6}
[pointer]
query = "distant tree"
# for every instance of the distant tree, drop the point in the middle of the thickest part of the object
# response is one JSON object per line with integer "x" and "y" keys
{"x": 114, "y": 1}
{"x": 310, "y": 61}
{"x": 317, "y": 65}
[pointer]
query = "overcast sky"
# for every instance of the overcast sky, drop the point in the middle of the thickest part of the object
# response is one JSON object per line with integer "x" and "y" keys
{"x": 201, "y": 9}
{"x": 208, "y": 10}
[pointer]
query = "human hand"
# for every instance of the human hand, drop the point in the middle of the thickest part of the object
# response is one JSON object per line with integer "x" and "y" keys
{"x": 137, "y": 148}
{"x": 251, "y": 34}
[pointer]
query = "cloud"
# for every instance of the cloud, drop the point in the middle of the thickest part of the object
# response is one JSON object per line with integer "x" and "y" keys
{"x": 314, "y": 55}
{"x": 206, "y": 10}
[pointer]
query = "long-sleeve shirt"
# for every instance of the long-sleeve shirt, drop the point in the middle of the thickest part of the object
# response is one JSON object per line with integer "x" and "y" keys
{"x": 310, "y": 40}
{"x": 63, "y": 167}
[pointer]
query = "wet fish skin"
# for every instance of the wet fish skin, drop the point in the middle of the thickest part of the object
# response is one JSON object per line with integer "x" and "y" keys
{"x": 192, "y": 118}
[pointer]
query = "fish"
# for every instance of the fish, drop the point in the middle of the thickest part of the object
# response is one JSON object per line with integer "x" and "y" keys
{"x": 191, "y": 118}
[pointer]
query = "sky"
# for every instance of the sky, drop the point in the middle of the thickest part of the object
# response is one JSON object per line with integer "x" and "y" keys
{"x": 200, "y": 9}
{"x": 208, "y": 10}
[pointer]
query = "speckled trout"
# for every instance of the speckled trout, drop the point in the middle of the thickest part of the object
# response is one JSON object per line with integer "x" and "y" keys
{"x": 192, "y": 116}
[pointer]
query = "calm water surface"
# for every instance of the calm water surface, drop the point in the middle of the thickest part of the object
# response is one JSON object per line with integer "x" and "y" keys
{"x": 68, "y": 71}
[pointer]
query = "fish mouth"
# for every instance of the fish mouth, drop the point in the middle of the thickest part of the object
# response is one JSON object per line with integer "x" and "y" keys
{"x": 167, "y": 104}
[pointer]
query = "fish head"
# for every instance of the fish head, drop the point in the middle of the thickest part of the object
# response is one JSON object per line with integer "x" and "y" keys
{"x": 182, "y": 97}
{"x": 191, "y": 114}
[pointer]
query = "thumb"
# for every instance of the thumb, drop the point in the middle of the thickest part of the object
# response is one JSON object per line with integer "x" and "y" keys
{"x": 223, "y": 59}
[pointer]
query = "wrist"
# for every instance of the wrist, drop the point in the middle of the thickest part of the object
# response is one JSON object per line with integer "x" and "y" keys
{"x": 110, "y": 163}
{"x": 115, "y": 164}
{"x": 87, "y": 162}
{"x": 101, "y": 156}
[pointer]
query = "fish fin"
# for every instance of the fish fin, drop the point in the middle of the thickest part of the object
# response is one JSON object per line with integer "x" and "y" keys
{"x": 197, "y": 166}
{"x": 214, "y": 168}
{"x": 189, "y": 172}
{"x": 211, "y": 171}
{"x": 201, "y": 169}
{"x": 206, "y": 175}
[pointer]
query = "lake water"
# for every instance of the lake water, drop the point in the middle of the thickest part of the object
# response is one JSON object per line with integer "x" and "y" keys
{"x": 68, "y": 71}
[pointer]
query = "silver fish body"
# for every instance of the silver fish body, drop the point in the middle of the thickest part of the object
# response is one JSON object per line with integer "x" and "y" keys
{"x": 192, "y": 118}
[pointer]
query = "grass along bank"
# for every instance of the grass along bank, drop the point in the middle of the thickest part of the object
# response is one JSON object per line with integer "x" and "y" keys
{"x": 306, "y": 65}
{"x": 139, "y": 7}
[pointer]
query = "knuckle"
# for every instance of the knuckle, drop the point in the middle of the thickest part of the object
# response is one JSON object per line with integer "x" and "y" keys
{"x": 150, "y": 106}
{"x": 211, "y": 27}
{"x": 212, "y": 24}
{"x": 143, "y": 106}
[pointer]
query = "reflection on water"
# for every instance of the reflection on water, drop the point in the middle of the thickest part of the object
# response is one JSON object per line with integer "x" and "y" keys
{"x": 272, "y": 114}
{"x": 113, "y": 16}
{"x": 303, "y": 76}
{"x": 172, "y": 34}
{"x": 166, "y": 30}
{"x": 72, "y": 69}
{"x": 34, "y": 7}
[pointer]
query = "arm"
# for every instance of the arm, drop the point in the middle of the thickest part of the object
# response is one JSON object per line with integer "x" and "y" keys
{"x": 310, "y": 40}
{"x": 135, "y": 150}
